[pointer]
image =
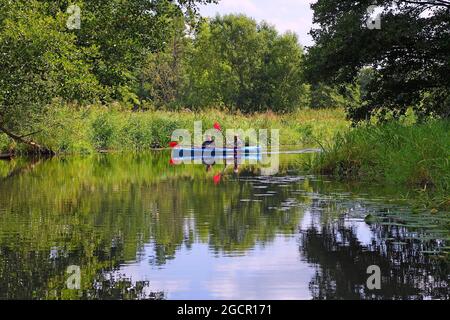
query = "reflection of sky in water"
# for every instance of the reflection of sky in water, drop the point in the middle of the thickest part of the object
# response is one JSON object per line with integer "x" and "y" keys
{"x": 362, "y": 231}
{"x": 360, "y": 228}
{"x": 271, "y": 272}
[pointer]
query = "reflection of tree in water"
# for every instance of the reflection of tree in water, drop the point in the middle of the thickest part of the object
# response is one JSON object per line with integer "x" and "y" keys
{"x": 202, "y": 212}
{"x": 342, "y": 262}
{"x": 110, "y": 286}
{"x": 100, "y": 212}
{"x": 35, "y": 275}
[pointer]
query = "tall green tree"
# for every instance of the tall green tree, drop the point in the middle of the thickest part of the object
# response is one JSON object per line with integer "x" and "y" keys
{"x": 409, "y": 54}
{"x": 126, "y": 32}
{"x": 240, "y": 64}
{"x": 162, "y": 74}
{"x": 40, "y": 61}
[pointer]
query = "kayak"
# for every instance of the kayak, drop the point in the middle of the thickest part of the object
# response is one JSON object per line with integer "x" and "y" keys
{"x": 219, "y": 150}
{"x": 184, "y": 153}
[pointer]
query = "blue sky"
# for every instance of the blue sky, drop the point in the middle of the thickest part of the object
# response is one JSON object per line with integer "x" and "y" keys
{"x": 293, "y": 15}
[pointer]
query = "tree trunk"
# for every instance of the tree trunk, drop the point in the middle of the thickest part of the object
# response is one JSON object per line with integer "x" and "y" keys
{"x": 35, "y": 147}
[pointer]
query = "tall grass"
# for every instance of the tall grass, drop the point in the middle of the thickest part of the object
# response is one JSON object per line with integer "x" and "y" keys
{"x": 86, "y": 130}
{"x": 414, "y": 155}
{"x": 4, "y": 143}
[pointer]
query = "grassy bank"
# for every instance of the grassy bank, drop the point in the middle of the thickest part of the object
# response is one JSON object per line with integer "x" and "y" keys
{"x": 417, "y": 156}
{"x": 75, "y": 130}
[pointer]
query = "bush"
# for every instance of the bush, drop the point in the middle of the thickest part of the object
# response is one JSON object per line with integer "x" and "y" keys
{"x": 137, "y": 132}
{"x": 72, "y": 129}
{"x": 4, "y": 143}
{"x": 103, "y": 131}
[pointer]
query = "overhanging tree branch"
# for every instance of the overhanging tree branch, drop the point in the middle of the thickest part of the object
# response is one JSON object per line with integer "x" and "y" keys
{"x": 439, "y": 3}
{"x": 34, "y": 145}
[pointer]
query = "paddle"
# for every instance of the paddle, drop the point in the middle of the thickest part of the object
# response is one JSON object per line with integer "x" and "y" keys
{"x": 173, "y": 144}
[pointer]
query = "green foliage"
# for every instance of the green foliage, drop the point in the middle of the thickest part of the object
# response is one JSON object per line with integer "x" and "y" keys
{"x": 125, "y": 33}
{"x": 137, "y": 132}
{"x": 4, "y": 143}
{"x": 40, "y": 61}
{"x": 408, "y": 56}
{"x": 323, "y": 96}
{"x": 43, "y": 60}
{"x": 163, "y": 72}
{"x": 162, "y": 129}
{"x": 240, "y": 64}
{"x": 103, "y": 130}
{"x": 70, "y": 130}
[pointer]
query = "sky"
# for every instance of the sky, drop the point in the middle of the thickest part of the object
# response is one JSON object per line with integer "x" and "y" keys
{"x": 292, "y": 15}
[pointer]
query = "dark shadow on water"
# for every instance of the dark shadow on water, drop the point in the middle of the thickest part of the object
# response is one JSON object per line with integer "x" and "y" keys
{"x": 341, "y": 266}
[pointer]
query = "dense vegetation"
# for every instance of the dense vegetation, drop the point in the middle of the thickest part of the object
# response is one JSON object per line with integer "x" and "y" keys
{"x": 143, "y": 55}
{"x": 396, "y": 84}
{"x": 136, "y": 70}
{"x": 406, "y": 61}
{"x": 98, "y": 128}
{"x": 247, "y": 66}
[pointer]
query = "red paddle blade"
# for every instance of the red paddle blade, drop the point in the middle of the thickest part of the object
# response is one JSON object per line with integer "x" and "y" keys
{"x": 217, "y": 179}
{"x": 217, "y": 126}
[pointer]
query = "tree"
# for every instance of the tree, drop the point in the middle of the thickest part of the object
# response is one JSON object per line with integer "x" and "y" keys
{"x": 324, "y": 96}
{"x": 42, "y": 59}
{"x": 409, "y": 55}
{"x": 39, "y": 62}
{"x": 126, "y": 33}
{"x": 162, "y": 74}
{"x": 238, "y": 63}
{"x": 280, "y": 84}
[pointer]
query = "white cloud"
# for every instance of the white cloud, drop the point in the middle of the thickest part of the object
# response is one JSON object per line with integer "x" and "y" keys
{"x": 246, "y": 5}
{"x": 274, "y": 271}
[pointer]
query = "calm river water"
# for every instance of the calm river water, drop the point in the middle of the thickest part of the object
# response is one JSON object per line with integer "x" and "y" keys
{"x": 138, "y": 228}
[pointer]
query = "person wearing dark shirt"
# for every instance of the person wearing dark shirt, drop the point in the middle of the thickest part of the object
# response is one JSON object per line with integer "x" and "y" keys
{"x": 208, "y": 153}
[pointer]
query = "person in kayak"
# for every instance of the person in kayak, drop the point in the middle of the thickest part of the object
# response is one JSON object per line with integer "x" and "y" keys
{"x": 208, "y": 153}
{"x": 237, "y": 145}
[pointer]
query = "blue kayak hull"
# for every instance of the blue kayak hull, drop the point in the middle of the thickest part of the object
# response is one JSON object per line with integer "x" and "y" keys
{"x": 180, "y": 154}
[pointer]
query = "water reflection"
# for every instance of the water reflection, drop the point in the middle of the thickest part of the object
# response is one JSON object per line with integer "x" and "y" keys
{"x": 342, "y": 261}
{"x": 140, "y": 228}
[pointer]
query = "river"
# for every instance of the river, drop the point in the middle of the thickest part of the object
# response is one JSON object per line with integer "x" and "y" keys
{"x": 140, "y": 228}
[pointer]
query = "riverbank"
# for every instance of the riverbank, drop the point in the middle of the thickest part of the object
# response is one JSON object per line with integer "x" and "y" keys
{"x": 88, "y": 130}
{"x": 416, "y": 156}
